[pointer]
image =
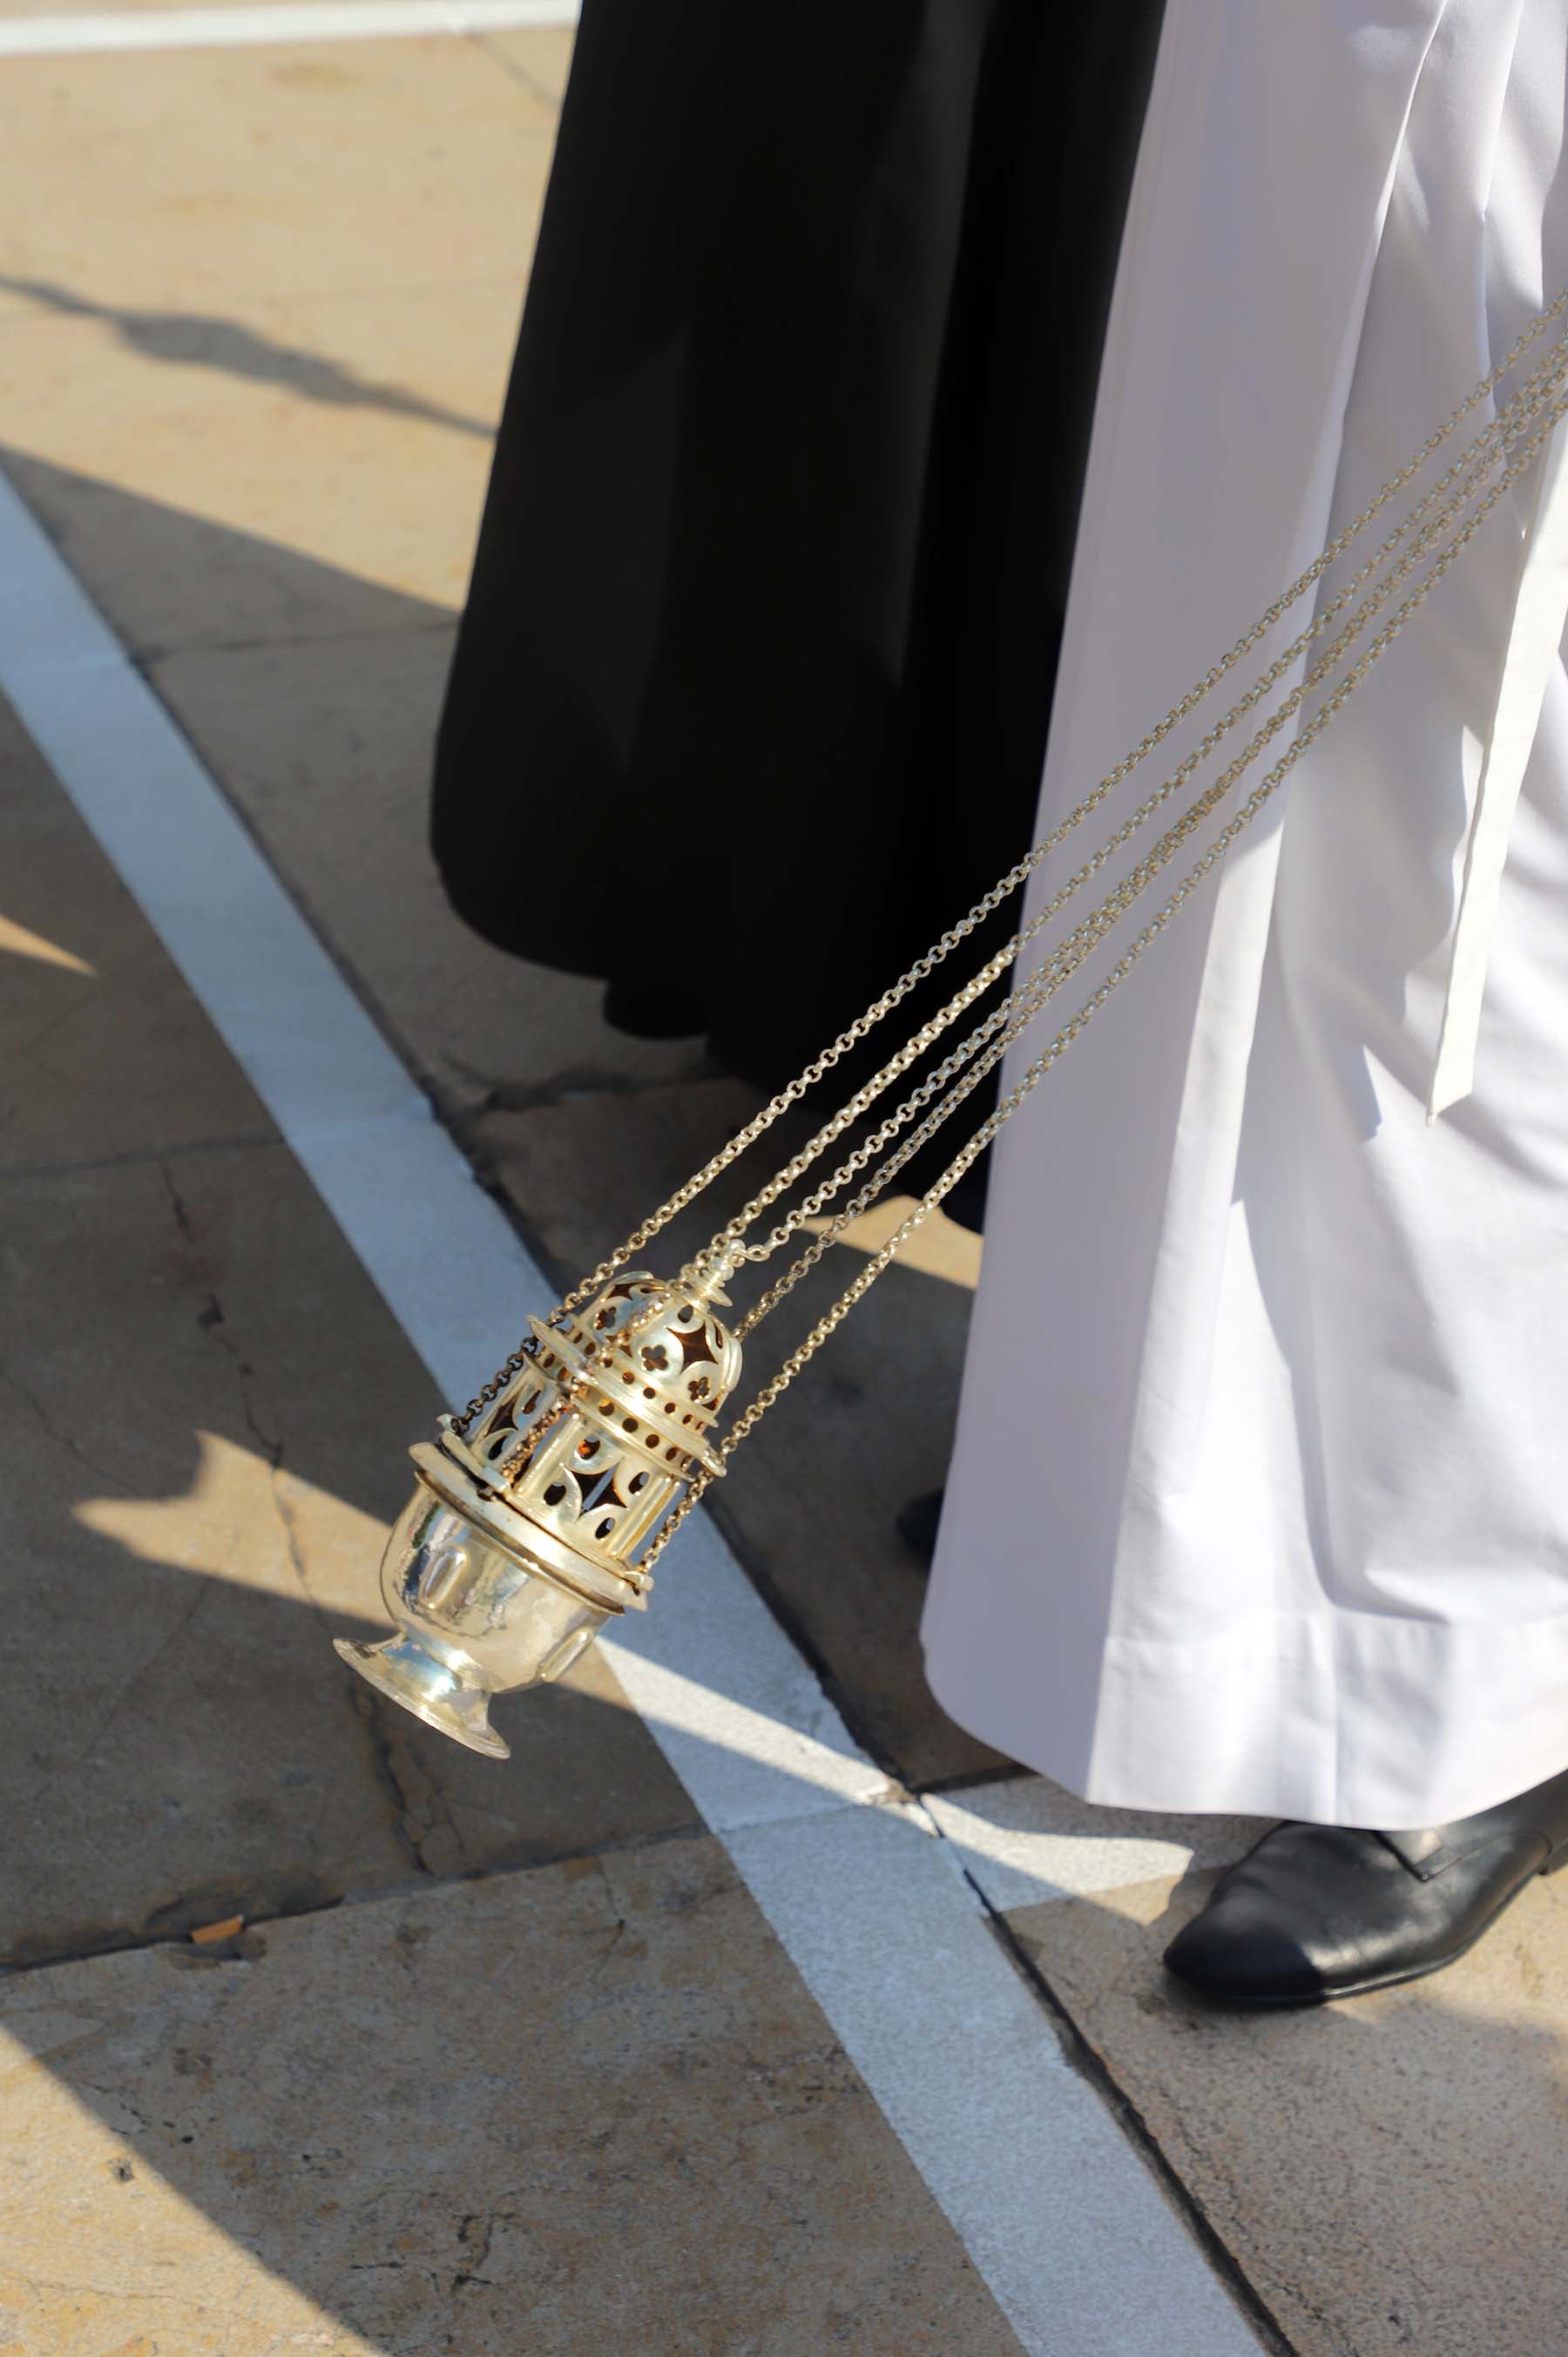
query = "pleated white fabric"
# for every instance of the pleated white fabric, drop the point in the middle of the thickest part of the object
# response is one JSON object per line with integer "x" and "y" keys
{"x": 1259, "y": 1498}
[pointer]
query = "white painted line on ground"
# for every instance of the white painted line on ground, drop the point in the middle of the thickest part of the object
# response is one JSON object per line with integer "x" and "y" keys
{"x": 241, "y": 28}
{"x": 1065, "y": 2224}
{"x": 1061, "y": 2220}
{"x": 758, "y": 1741}
{"x": 1026, "y": 1840}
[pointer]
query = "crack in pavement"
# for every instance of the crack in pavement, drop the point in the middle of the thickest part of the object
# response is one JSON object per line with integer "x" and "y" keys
{"x": 63, "y": 1439}
{"x": 574, "y": 1086}
{"x": 213, "y": 1321}
{"x": 103, "y": 1941}
{"x": 423, "y": 1816}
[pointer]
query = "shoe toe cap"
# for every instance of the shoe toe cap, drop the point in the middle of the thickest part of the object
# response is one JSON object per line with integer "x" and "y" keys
{"x": 1233, "y": 1953}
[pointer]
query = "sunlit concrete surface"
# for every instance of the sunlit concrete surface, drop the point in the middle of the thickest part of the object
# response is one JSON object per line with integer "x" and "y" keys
{"x": 564, "y": 2111}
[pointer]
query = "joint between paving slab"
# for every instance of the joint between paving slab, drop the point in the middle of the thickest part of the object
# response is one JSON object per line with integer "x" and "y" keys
{"x": 568, "y": 1088}
{"x": 121, "y": 1940}
{"x": 512, "y": 68}
{"x": 124, "y": 1941}
{"x": 68, "y": 1164}
{"x": 144, "y": 658}
{"x": 1091, "y": 2066}
{"x": 972, "y": 1779}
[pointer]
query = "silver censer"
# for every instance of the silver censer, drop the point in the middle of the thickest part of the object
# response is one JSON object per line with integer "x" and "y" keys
{"x": 523, "y": 1536}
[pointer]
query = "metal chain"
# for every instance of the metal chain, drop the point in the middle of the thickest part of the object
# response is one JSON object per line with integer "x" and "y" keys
{"x": 1018, "y": 874}
{"x": 868, "y": 1151}
{"x": 1136, "y": 882}
{"x": 1523, "y": 453}
{"x": 1473, "y": 467}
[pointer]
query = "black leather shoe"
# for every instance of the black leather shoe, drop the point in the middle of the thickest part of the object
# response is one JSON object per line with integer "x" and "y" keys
{"x": 917, "y": 1524}
{"x": 1320, "y": 1911}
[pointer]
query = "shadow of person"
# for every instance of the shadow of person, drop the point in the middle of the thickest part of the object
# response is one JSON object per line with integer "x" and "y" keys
{"x": 198, "y": 339}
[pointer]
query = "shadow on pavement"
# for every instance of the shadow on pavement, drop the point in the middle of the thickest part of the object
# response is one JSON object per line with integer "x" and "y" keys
{"x": 455, "y": 2096}
{"x": 198, "y": 339}
{"x": 320, "y": 729}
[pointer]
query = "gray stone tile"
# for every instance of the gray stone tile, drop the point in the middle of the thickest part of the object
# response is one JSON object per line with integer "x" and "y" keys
{"x": 1389, "y": 2172}
{"x": 809, "y": 1501}
{"x": 327, "y": 748}
{"x": 583, "y": 2108}
{"x": 103, "y": 1052}
{"x": 207, "y": 1406}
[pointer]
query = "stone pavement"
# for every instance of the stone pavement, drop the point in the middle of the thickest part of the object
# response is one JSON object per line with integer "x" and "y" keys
{"x": 500, "y": 2058}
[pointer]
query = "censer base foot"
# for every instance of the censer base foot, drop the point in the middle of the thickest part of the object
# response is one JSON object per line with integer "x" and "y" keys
{"x": 401, "y": 1668}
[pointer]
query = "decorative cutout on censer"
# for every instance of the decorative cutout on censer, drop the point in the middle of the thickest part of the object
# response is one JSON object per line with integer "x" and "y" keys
{"x": 538, "y": 1513}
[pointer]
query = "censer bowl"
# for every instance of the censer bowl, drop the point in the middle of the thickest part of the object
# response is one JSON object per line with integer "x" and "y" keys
{"x": 472, "y": 1621}
{"x": 524, "y": 1533}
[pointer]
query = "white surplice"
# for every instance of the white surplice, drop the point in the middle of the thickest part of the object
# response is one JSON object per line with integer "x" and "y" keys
{"x": 1260, "y": 1498}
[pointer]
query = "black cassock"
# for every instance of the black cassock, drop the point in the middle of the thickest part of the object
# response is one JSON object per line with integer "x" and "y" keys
{"x": 764, "y": 619}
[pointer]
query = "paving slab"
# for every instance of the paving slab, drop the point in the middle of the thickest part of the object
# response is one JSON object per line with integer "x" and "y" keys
{"x": 809, "y": 1503}
{"x": 173, "y": 1707}
{"x": 163, "y": 573}
{"x": 1389, "y": 2172}
{"x": 207, "y": 1409}
{"x": 526, "y": 2113}
{"x": 940, "y": 1247}
{"x": 103, "y": 1052}
{"x": 207, "y": 1406}
{"x": 325, "y": 746}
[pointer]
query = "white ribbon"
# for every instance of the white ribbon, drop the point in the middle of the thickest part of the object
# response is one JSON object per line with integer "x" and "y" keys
{"x": 1535, "y": 637}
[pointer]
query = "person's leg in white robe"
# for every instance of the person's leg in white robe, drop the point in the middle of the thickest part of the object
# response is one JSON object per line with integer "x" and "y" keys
{"x": 1260, "y": 1496}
